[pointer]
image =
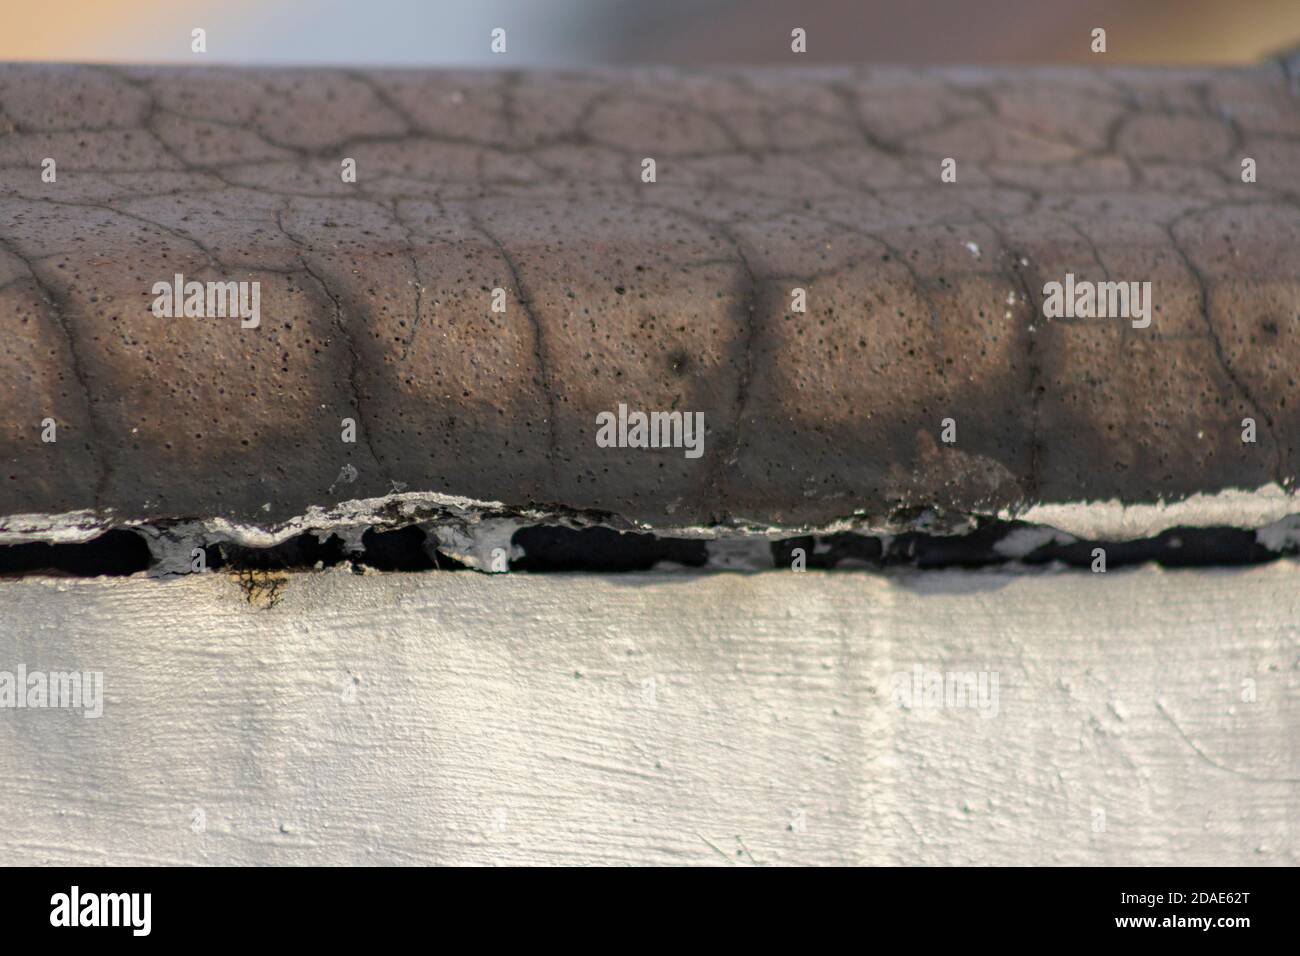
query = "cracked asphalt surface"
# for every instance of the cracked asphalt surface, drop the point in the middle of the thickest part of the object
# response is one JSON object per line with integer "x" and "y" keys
{"x": 923, "y": 297}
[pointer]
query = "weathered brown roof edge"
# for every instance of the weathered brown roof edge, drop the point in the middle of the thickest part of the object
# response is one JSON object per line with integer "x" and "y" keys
{"x": 924, "y": 299}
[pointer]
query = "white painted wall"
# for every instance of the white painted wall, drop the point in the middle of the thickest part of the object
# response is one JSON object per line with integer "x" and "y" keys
{"x": 462, "y": 718}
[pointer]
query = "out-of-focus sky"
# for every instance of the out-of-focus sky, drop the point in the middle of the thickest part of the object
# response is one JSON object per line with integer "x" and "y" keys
{"x": 691, "y": 32}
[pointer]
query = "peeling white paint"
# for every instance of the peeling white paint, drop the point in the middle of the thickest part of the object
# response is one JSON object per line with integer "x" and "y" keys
{"x": 473, "y": 527}
{"x": 475, "y": 543}
{"x": 1282, "y": 535}
{"x": 1025, "y": 541}
{"x": 1115, "y": 520}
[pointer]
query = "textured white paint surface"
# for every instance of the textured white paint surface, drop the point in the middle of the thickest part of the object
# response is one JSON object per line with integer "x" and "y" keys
{"x": 465, "y": 718}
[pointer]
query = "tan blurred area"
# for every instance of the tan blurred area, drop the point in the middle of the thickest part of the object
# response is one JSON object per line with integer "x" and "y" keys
{"x": 681, "y": 32}
{"x": 979, "y": 31}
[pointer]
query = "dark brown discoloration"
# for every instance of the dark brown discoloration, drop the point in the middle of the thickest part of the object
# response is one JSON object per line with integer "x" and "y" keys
{"x": 376, "y": 296}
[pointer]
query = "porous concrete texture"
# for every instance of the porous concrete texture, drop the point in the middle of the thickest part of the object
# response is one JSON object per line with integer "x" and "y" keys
{"x": 1142, "y": 717}
{"x": 923, "y": 296}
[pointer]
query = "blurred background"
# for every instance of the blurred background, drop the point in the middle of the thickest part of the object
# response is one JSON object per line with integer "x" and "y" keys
{"x": 571, "y": 33}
